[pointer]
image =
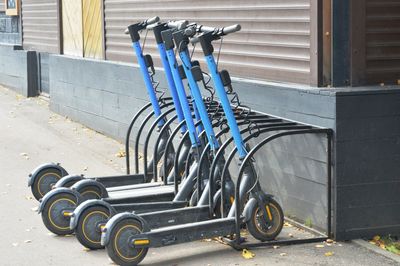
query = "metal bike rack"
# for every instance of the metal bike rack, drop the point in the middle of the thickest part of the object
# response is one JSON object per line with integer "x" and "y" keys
{"x": 236, "y": 242}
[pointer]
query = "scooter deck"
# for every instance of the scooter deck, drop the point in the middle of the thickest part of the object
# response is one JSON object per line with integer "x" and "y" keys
{"x": 176, "y": 216}
{"x": 150, "y": 207}
{"x": 119, "y": 180}
{"x": 149, "y": 194}
{"x": 137, "y": 186}
{"x": 183, "y": 233}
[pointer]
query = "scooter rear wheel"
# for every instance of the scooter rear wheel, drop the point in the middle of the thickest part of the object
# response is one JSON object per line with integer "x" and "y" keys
{"x": 44, "y": 182}
{"x": 53, "y": 213}
{"x": 257, "y": 226}
{"x": 90, "y": 192}
{"x": 119, "y": 249}
{"x": 88, "y": 230}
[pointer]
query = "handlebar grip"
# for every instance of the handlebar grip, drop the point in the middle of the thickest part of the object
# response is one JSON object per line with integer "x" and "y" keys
{"x": 178, "y": 24}
{"x": 194, "y": 40}
{"x": 231, "y": 29}
{"x": 206, "y": 28}
{"x": 151, "y": 26}
{"x": 152, "y": 20}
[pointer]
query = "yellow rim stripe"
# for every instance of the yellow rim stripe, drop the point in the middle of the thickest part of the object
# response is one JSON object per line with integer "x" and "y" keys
{"x": 38, "y": 183}
{"x": 49, "y": 216}
{"x": 84, "y": 222}
{"x": 269, "y": 213}
{"x": 116, "y": 246}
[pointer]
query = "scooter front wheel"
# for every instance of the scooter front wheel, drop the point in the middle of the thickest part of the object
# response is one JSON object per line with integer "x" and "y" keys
{"x": 119, "y": 248}
{"x": 88, "y": 230}
{"x": 44, "y": 182}
{"x": 57, "y": 212}
{"x": 264, "y": 230}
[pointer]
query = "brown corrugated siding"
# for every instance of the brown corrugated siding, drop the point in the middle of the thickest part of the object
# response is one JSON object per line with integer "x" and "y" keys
{"x": 274, "y": 43}
{"x": 382, "y": 41}
{"x": 40, "y": 29}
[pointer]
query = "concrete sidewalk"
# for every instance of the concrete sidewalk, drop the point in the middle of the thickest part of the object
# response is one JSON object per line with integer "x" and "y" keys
{"x": 31, "y": 135}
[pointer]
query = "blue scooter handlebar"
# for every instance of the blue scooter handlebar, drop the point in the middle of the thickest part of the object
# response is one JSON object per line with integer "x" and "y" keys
{"x": 146, "y": 22}
{"x": 217, "y": 31}
{"x": 178, "y": 24}
{"x": 152, "y": 20}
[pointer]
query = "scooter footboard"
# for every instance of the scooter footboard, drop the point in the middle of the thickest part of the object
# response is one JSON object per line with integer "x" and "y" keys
{"x": 177, "y": 234}
{"x": 122, "y": 180}
{"x": 176, "y": 216}
{"x": 146, "y": 207}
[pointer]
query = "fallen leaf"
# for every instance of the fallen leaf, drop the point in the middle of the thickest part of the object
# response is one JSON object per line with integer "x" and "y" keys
{"x": 28, "y": 241}
{"x": 330, "y": 241}
{"x": 286, "y": 224}
{"x": 319, "y": 246}
{"x": 376, "y": 238}
{"x": 23, "y": 154}
{"x": 290, "y": 235}
{"x": 247, "y": 254}
{"x": 275, "y": 247}
{"x": 28, "y": 197}
{"x": 34, "y": 209}
{"x": 328, "y": 254}
{"x": 283, "y": 254}
{"x": 85, "y": 168}
{"x": 120, "y": 154}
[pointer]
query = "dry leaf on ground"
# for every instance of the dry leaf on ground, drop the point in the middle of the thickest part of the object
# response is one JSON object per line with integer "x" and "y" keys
{"x": 247, "y": 254}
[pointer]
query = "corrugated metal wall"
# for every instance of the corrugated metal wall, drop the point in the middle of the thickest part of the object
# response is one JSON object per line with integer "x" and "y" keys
{"x": 40, "y": 25}
{"x": 274, "y": 43}
{"x": 382, "y": 41}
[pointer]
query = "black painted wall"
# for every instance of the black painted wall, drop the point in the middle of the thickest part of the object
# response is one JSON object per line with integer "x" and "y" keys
{"x": 367, "y": 162}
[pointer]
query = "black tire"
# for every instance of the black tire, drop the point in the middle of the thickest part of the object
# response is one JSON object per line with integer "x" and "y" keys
{"x": 256, "y": 225}
{"x": 52, "y": 214}
{"x": 193, "y": 198}
{"x": 44, "y": 182}
{"x": 118, "y": 248}
{"x": 90, "y": 192}
{"x": 88, "y": 231}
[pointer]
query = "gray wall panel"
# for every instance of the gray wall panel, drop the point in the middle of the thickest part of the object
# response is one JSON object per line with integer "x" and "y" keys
{"x": 17, "y": 70}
